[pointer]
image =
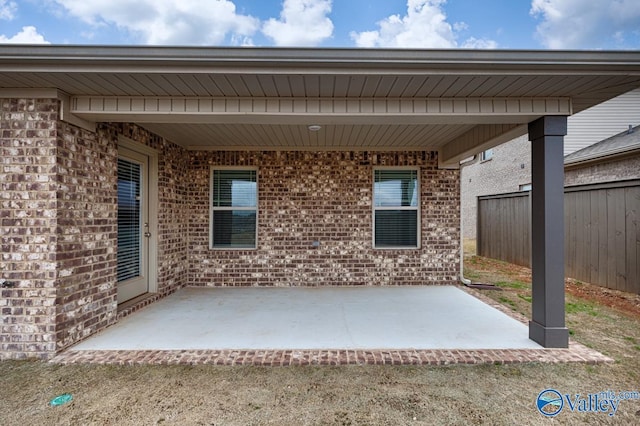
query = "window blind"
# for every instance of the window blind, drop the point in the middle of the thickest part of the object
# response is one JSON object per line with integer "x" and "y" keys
{"x": 129, "y": 219}
{"x": 234, "y": 208}
{"x": 396, "y": 208}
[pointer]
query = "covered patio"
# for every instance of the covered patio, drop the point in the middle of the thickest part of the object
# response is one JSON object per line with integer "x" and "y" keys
{"x": 345, "y": 167}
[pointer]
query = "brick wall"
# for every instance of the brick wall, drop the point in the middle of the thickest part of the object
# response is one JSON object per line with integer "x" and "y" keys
{"x": 58, "y": 226}
{"x": 624, "y": 169}
{"x": 86, "y": 234}
{"x": 325, "y": 197}
{"x": 87, "y": 225}
{"x": 28, "y": 225}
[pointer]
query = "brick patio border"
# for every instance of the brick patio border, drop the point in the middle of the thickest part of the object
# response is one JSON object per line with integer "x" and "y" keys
{"x": 280, "y": 358}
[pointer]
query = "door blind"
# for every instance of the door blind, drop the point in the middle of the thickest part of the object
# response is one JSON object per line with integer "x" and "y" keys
{"x": 129, "y": 219}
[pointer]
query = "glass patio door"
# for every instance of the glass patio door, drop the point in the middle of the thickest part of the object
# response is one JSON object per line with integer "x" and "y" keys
{"x": 133, "y": 225}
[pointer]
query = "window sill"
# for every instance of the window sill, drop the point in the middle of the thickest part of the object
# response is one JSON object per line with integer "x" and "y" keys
{"x": 233, "y": 248}
{"x": 397, "y": 248}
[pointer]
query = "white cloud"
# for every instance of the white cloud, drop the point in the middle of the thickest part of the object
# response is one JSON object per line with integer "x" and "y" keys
{"x": 8, "y": 9}
{"x": 424, "y": 26}
{"x": 579, "y": 24}
{"x": 460, "y": 26}
{"x": 187, "y": 22}
{"x": 301, "y": 23}
{"x": 28, "y": 35}
{"x": 474, "y": 43}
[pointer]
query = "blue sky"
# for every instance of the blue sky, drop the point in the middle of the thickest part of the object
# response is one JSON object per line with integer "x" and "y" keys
{"x": 502, "y": 24}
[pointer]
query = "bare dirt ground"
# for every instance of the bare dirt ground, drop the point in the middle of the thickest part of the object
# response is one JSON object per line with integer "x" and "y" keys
{"x": 496, "y": 270}
{"x": 349, "y": 395}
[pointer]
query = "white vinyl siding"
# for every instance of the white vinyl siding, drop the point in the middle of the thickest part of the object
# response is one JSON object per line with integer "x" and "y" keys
{"x": 602, "y": 121}
{"x": 396, "y": 208}
{"x": 234, "y": 208}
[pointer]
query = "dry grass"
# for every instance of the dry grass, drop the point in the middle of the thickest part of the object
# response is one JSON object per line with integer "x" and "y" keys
{"x": 350, "y": 395}
{"x": 469, "y": 246}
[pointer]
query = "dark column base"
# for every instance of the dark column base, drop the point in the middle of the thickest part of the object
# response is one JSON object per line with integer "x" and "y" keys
{"x": 549, "y": 337}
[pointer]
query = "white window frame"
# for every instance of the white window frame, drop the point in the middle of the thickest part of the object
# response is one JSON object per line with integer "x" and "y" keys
{"x": 212, "y": 208}
{"x": 417, "y": 208}
{"x": 526, "y": 187}
{"x": 486, "y": 155}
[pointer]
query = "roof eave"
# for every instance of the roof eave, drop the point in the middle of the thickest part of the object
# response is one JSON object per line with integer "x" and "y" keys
{"x": 605, "y": 157}
{"x": 313, "y": 58}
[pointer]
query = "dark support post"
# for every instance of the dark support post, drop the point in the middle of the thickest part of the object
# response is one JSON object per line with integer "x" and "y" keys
{"x": 547, "y": 325}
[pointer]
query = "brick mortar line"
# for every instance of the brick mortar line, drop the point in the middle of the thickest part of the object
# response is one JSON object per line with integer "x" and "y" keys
{"x": 576, "y": 353}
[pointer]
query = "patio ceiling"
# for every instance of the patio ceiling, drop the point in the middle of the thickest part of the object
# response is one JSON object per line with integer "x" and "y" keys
{"x": 458, "y": 102}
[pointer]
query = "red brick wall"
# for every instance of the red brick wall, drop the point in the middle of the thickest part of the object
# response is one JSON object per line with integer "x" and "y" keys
{"x": 325, "y": 197}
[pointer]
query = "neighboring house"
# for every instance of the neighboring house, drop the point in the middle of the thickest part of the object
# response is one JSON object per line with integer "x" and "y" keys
{"x": 507, "y": 167}
{"x": 129, "y": 172}
{"x": 611, "y": 160}
{"x": 601, "y": 205}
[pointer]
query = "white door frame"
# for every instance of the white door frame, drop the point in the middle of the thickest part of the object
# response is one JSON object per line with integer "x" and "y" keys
{"x": 152, "y": 184}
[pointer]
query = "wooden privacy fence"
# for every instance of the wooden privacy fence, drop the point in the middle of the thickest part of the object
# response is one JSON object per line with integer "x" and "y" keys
{"x": 602, "y": 232}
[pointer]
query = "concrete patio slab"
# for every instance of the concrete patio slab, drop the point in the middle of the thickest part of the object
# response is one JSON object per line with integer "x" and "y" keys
{"x": 315, "y": 318}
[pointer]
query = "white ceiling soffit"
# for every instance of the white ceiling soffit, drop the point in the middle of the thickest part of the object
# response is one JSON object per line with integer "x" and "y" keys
{"x": 456, "y": 101}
